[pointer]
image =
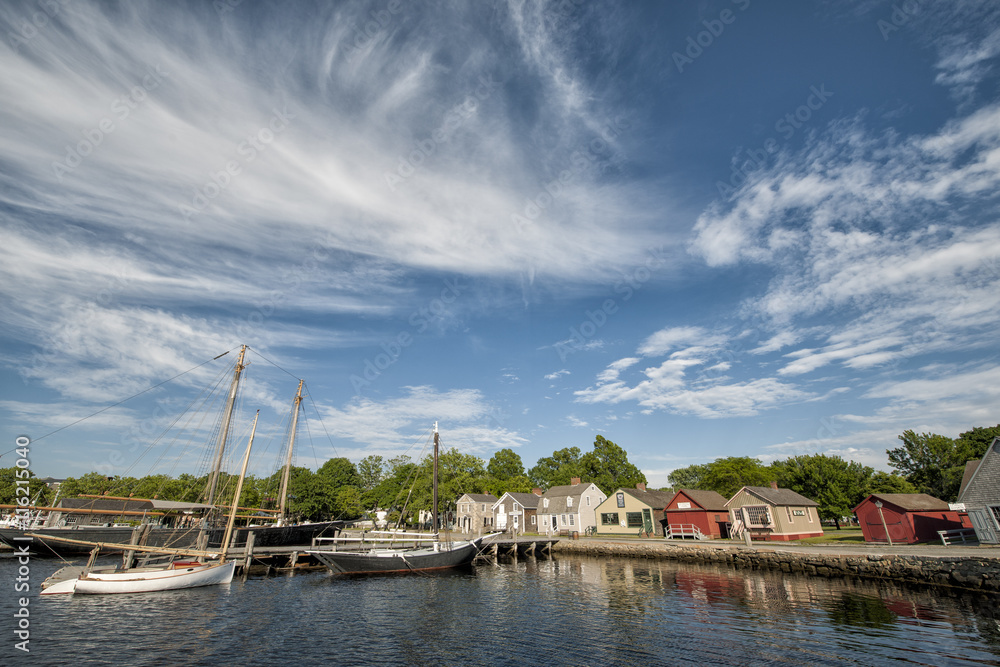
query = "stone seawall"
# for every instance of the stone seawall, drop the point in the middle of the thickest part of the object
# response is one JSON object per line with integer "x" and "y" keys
{"x": 971, "y": 573}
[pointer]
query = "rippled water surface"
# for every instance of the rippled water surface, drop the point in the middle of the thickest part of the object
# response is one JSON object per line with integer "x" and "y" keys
{"x": 568, "y": 611}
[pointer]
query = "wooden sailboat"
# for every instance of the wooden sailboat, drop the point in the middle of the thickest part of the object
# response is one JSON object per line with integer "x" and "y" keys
{"x": 283, "y": 533}
{"x": 172, "y": 576}
{"x": 428, "y": 553}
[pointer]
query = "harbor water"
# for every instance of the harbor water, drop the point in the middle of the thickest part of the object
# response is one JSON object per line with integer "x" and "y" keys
{"x": 571, "y": 610}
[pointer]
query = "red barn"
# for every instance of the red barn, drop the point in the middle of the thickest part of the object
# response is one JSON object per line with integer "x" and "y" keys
{"x": 696, "y": 513}
{"x": 908, "y": 517}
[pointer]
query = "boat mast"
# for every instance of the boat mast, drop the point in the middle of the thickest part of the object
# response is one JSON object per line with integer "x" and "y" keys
{"x": 227, "y": 418}
{"x": 239, "y": 490}
{"x": 282, "y": 520}
{"x": 435, "y": 507}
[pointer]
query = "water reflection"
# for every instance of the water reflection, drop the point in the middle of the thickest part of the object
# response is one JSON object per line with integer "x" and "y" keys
{"x": 566, "y": 611}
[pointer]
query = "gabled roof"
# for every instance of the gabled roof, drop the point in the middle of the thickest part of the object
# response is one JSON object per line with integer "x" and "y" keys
{"x": 526, "y": 500}
{"x": 777, "y": 497}
{"x": 970, "y": 470}
{"x": 982, "y": 483}
{"x": 559, "y": 495}
{"x": 479, "y": 497}
{"x": 657, "y": 500}
{"x": 910, "y": 502}
{"x": 707, "y": 500}
{"x": 568, "y": 490}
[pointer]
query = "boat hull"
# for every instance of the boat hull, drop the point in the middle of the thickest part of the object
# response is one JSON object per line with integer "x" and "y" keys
{"x": 397, "y": 561}
{"x": 148, "y": 581}
{"x": 176, "y": 538}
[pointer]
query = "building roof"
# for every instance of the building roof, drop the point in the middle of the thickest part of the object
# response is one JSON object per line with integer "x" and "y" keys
{"x": 567, "y": 490}
{"x": 528, "y": 501}
{"x": 910, "y": 502}
{"x": 970, "y": 470}
{"x": 981, "y": 486}
{"x": 657, "y": 500}
{"x": 558, "y": 497}
{"x": 707, "y": 500}
{"x": 479, "y": 497}
{"x": 778, "y": 497}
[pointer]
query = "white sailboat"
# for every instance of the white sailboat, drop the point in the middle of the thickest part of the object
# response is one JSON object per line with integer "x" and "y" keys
{"x": 172, "y": 576}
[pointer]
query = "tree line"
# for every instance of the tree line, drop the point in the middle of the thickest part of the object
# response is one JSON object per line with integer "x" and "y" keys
{"x": 925, "y": 463}
{"x": 341, "y": 489}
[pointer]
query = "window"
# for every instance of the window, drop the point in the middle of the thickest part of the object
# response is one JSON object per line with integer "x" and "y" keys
{"x": 757, "y": 515}
{"x": 563, "y": 519}
{"x": 571, "y": 519}
{"x": 609, "y": 519}
{"x": 588, "y": 501}
{"x": 633, "y": 519}
{"x": 798, "y": 512}
{"x": 569, "y": 501}
{"x": 545, "y": 503}
{"x": 96, "y": 520}
{"x": 71, "y": 519}
{"x": 532, "y": 519}
{"x": 620, "y": 497}
{"x": 788, "y": 511}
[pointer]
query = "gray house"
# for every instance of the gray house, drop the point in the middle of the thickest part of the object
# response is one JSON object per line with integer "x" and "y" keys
{"x": 570, "y": 508}
{"x": 980, "y": 493}
{"x": 516, "y": 512}
{"x": 474, "y": 512}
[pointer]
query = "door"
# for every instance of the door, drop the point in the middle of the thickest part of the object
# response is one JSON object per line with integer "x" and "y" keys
{"x": 984, "y": 527}
{"x": 647, "y": 521}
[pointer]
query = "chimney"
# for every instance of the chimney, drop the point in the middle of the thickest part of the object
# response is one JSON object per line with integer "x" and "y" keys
{"x": 774, "y": 485}
{"x": 640, "y": 486}
{"x": 574, "y": 481}
{"x": 536, "y": 491}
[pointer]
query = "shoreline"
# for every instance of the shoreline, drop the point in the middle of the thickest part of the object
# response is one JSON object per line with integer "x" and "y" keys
{"x": 966, "y": 568}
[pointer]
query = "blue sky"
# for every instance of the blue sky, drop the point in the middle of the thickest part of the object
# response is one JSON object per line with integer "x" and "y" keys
{"x": 699, "y": 229}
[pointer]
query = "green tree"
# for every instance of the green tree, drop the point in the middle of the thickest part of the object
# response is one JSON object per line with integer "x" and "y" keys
{"x": 371, "y": 470}
{"x": 608, "y": 467}
{"x": 556, "y": 470}
{"x": 974, "y": 443}
{"x": 35, "y": 489}
{"x": 884, "y": 482}
{"x": 728, "y": 475}
{"x": 688, "y": 478}
{"x": 933, "y": 463}
{"x": 837, "y": 485}
{"x": 92, "y": 483}
{"x": 505, "y": 465}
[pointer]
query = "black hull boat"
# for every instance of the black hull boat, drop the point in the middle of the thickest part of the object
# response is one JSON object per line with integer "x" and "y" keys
{"x": 176, "y": 538}
{"x": 438, "y": 556}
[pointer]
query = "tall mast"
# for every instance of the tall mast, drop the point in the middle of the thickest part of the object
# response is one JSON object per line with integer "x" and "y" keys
{"x": 227, "y": 418}
{"x": 239, "y": 490}
{"x": 435, "y": 508}
{"x": 288, "y": 461}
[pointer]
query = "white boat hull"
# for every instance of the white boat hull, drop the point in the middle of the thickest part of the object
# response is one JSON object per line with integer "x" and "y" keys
{"x": 141, "y": 580}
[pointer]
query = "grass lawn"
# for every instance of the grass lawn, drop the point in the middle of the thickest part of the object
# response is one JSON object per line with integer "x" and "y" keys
{"x": 834, "y": 536}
